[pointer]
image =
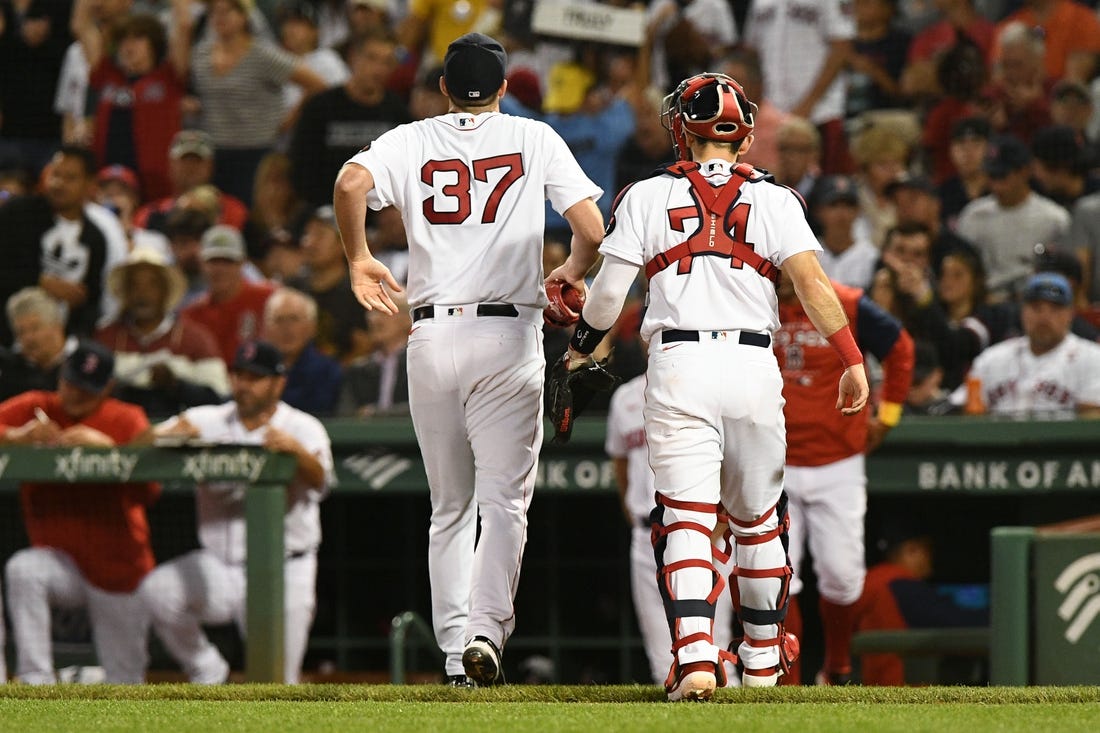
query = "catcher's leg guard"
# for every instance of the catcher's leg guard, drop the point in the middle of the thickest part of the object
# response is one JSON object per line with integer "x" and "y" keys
{"x": 689, "y": 586}
{"x": 763, "y": 573}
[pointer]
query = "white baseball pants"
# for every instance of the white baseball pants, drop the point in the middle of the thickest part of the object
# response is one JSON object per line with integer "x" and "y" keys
{"x": 827, "y": 508}
{"x": 715, "y": 428}
{"x": 39, "y": 578}
{"x": 475, "y": 394}
{"x": 199, "y": 588}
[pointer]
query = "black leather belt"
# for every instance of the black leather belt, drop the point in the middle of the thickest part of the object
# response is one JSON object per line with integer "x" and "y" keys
{"x": 503, "y": 310}
{"x": 747, "y": 338}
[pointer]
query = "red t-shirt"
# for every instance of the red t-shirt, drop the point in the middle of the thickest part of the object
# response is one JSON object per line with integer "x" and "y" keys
{"x": 102, "y": 527}
{"x": 232, "y": 211}
{"x": 233, "y": 321}
{"x": 877, "y": 610}
{"x": 939, "y": 37}
{"x": 1069, "y": 28}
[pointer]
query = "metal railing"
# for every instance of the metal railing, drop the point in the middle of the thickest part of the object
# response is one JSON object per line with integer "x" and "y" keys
{"x": 404, "y": 626}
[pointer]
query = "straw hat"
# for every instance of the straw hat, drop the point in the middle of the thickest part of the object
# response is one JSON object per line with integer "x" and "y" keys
{"x": 173, "y": 278}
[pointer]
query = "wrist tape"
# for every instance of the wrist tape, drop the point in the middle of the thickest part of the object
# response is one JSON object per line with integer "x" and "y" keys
{"x": 846, "y": 346}
{"x": 586, "y": 338}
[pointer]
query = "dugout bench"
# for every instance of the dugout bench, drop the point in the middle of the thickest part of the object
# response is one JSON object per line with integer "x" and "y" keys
{"x": 265, "y": 504}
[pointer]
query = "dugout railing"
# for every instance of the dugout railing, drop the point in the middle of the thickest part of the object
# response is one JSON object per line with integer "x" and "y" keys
{"x": 963, "y": 476}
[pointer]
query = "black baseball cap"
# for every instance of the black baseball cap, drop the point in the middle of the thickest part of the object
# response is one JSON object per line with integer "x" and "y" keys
{"x": 90, "y": 367}
{"x": 834, "y": 190}
{"x": 1005, "y": 155}
{"x": 1059, "y": 146}
{"x": 296, "y": 10}
{"x": 474, "y": 67}
{"x": 260, "y": 358}
{"x": 909, "y": 181}
{"x": 971, "y": 127}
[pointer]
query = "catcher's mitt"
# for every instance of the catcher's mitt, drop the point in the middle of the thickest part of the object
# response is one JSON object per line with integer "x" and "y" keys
{"x": 565, "y": 304}
{"x": 570, "y": 390}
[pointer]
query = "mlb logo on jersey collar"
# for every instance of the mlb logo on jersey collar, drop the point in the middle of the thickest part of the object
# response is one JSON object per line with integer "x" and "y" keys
{"x": 718, "y": 335}
{"x": 465, "y": 121}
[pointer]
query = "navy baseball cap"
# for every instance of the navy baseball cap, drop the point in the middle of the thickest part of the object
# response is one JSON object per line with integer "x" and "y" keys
{"x": 835, "y": 189}
{"x": 260, "y": 358}
{"x": 1048, "y": 286}
{"x": 474, "y": 67}
{"x": 1005, "y": 155}
{"x": 911, "y": 182}
{"x": 90, "y": 367}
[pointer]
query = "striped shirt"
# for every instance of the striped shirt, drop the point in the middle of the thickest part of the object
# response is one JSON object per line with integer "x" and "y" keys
{"x": 242, "y": 108}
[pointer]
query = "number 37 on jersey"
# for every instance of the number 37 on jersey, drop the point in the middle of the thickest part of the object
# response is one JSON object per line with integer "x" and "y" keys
{"x": 453, "y": 182}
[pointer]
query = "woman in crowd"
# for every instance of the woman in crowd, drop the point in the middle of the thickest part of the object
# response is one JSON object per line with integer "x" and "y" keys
{"x": 239, "y": 79}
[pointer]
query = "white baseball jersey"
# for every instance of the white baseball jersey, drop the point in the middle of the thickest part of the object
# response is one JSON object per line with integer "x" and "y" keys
{"x": 471, "y": 190}
{"x": 655, "y": 214}
{"x": 793, "y": 37}
{"x": 626, "y": 439}
{"x": 1015, "y": 380}
{"x": 221, "y": 504}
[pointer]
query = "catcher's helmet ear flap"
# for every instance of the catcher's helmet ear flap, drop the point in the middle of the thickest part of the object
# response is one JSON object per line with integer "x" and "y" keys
{"x": 709, "y": 106}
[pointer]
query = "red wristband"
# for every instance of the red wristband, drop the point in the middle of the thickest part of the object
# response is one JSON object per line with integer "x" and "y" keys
{"x": 846, "y": 346}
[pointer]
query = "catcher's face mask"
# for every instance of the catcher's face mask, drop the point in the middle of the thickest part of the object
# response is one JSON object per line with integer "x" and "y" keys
{"x": 709, "y": 106}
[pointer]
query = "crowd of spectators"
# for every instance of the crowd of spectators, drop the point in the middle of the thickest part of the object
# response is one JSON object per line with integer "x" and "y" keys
{"x": 166, "y": 169}
{"x": 145, "y": 124}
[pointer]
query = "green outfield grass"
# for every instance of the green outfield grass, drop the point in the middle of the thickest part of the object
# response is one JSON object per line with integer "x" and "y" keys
{"x": 277, "y": 708}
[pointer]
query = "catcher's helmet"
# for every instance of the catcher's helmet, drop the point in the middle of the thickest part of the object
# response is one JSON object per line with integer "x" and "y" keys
{"x": 710, "y": 106}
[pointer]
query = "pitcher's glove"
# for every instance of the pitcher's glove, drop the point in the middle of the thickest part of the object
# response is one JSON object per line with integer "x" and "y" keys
{"x": 570, "y": 390}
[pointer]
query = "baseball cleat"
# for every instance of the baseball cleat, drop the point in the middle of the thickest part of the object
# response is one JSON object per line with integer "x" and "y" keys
{"x": 833, "y": 678}
{"x": 694, "y": 686}
{"x": 458, "y": 680}
{"x": 759, "y": 680}
{"x": 482, "y": 662}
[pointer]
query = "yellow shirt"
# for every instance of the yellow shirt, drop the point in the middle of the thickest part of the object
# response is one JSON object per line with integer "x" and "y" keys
{"x": 447, "y": 20}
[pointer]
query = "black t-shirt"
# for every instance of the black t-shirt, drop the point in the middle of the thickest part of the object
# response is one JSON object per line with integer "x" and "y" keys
{"x": 331, "y": 128}
{"x": 889, "y": 53}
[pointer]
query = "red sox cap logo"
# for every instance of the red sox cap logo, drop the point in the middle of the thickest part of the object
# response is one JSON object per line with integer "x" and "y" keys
{"x": 249, "y": 352}
{"x": 90, "y": 365}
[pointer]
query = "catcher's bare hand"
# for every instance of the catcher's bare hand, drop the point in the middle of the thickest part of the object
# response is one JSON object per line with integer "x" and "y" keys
{"x": 368, "y": 276}
{"x": 853, "y": 392}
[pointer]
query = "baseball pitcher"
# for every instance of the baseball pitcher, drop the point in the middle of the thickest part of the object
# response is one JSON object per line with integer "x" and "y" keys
{"x": 470, "y": 185}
